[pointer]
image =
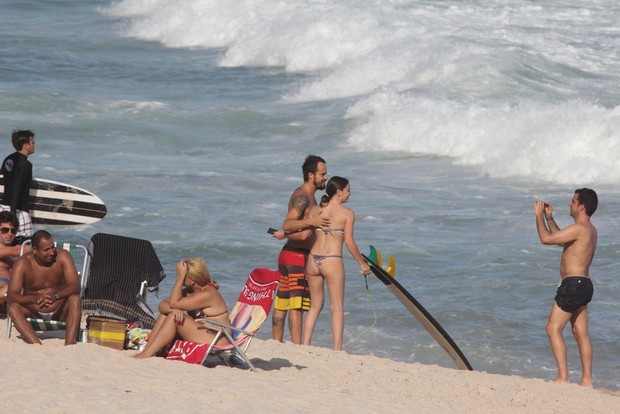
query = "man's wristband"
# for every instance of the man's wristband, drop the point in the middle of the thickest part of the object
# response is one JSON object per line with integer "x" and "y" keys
{"x": 549, "y": 218}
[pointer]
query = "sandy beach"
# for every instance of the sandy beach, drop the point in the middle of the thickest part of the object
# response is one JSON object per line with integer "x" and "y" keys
{"x": 88, "y": 378}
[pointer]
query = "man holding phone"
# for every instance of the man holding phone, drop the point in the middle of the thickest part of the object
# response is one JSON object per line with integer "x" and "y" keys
{"x": 576, "y": 289}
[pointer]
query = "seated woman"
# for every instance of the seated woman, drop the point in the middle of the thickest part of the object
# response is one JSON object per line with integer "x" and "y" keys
{"x": 201, "y": 300}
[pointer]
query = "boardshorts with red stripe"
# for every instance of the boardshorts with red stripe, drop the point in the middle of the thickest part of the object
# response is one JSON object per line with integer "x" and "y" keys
{"x": 293, "y": 292}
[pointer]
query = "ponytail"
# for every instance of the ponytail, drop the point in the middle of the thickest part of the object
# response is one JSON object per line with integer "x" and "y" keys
{"x": 333, "y": 185}
{"x": 325, "y": 200}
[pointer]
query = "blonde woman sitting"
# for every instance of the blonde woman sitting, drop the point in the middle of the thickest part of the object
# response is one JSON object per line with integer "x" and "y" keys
{"x": 202, "y": 300}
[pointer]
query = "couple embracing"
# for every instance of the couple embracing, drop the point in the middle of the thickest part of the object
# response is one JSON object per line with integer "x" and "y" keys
{"x": 312, "y": 254}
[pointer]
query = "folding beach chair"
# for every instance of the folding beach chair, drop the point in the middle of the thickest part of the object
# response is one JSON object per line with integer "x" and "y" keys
{"x": 41, "y": 325}
{"x": 122, "y": 271}
{"x": 248, "y": 315}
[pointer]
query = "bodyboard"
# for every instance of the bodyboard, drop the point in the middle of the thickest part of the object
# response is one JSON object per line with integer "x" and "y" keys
{"x": 52, "y": 202}
{"x": 421, "y": 314}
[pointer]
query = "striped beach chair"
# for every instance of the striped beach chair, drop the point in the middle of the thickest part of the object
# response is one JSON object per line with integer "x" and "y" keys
{"x": 42, "y": 325}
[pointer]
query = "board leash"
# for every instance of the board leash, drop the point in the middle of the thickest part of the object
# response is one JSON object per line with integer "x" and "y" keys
{"x": 374, "y": 313}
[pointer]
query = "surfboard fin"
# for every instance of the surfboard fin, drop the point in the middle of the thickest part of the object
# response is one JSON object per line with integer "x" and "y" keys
{"x": 379, "y": 261}
{"x": 375, "y": 256}
{"x": 391, "y": 266}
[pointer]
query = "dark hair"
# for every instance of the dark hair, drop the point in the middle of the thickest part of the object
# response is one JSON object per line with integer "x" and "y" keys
{"x": 21, "y": 138}
{"x": 8, "y": 217}
{"x": 38, "y": 236}
{"x": 588, "y": 198}
{"x": 333, "y": 185}
{"x": 310, "y": 165}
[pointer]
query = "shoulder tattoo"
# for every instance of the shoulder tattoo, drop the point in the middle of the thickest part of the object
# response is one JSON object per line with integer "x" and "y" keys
{"x": 301, "y": 203}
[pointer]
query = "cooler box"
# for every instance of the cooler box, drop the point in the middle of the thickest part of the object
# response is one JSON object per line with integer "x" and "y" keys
{"x": 106, "y": 331}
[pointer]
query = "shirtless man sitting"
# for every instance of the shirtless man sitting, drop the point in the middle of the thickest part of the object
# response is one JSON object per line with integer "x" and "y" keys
{"x": 45, "y": 284}
{"x": 8, "y": 253}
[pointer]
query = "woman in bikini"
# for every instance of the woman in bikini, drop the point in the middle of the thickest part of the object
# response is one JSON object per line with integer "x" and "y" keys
{"x": 194, "y": 295}
{"x": 325, "y": 260}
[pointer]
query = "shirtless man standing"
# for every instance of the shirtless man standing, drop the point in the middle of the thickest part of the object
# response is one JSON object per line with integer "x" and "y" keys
{"x": 45, "y": 284}
{"x": 293, "y": 294}
{"x": 576, "y": 289}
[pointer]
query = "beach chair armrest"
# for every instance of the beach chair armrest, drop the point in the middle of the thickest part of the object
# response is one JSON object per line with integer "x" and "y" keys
{"x": 208, "y": 321}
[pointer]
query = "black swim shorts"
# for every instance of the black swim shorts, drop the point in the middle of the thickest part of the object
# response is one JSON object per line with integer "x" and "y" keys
{"x": 574, "y": 292}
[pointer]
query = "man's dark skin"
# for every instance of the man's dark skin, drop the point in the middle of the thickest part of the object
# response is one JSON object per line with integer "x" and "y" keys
{"x": 45, "y": 281}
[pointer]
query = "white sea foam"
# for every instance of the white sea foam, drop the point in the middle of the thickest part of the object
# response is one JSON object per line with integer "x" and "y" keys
{"x": 567, "y": 142}
{"x": 518, "y": 90}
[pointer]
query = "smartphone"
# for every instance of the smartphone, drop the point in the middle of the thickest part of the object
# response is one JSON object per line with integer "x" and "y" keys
{"x": 271, "y": 230}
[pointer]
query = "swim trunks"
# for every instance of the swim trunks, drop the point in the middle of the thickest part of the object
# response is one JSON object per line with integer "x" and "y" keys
{"x": 293, "y": 292}
{"x": 46, "y": 316}
{"x": 574, "y": 292}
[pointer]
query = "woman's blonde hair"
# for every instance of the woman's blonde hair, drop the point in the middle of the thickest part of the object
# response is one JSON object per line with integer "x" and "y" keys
{"x": 198, "y": 271}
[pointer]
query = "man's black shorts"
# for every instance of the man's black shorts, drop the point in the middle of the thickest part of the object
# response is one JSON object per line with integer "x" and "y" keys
{"x": 574, "y": 292}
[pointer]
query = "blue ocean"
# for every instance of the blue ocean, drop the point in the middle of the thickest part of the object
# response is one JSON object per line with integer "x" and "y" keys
{"x": 191, "y": 120}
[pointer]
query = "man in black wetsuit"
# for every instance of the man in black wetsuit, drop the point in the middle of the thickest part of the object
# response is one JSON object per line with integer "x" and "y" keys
{"x": 17, "y": 172}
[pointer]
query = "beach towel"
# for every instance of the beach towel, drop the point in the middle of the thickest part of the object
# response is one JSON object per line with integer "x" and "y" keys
{"x": 119, "y": 265}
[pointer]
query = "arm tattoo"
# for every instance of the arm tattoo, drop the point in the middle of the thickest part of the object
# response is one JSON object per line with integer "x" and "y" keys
{"x": 301, "y": 203}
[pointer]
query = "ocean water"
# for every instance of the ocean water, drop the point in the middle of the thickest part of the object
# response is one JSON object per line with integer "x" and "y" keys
{"x": 191, "y": 120}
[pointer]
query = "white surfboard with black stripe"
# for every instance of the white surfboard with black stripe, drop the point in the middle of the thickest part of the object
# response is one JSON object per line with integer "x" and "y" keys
{"x": 57, "y": 203}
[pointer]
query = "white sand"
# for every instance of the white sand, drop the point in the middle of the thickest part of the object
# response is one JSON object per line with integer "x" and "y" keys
{"x": 89, "y": 378}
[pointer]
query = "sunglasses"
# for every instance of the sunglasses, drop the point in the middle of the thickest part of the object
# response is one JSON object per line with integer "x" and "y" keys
{"x": 5, "y": 230}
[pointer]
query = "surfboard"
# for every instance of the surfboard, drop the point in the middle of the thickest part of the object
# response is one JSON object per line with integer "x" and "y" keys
{"x": 55, "y": 203}
{"x": 421, "y": 314}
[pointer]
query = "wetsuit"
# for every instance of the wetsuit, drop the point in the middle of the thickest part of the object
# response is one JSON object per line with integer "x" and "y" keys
{"x": 17, "y": 172}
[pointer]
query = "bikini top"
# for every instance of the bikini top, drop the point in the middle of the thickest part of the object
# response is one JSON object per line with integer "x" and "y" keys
{"x": 201, "y": 314}
{"x": 330, "y": 230}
